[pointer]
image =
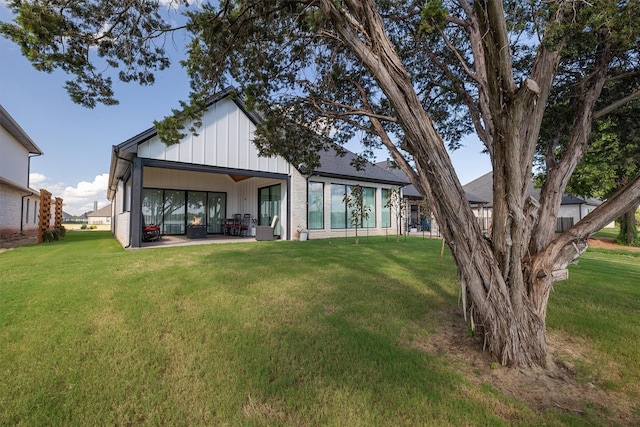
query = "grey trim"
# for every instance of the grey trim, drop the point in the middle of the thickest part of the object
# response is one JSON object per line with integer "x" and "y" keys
{"x": 355, "y": 178}
{"x": 135, "y": 223}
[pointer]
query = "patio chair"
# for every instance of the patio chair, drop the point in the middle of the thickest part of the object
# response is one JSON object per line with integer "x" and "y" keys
{"x": 237, "y": 223}
{"x": 228, "y": 226}
{"x": 244, "y": 226}
{"x": 265, "y": 232}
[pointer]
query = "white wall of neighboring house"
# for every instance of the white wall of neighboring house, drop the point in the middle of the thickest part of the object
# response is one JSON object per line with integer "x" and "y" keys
{"x": 576, "y": 211}
{"x": 99, "y": 220}
{"x": 19, "y": 204}
{"x": 14, "y": 159}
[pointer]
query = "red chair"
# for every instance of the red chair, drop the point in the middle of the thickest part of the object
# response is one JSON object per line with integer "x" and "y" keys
{"x": 228, "y": 226}
{"x": 237, "y": 224}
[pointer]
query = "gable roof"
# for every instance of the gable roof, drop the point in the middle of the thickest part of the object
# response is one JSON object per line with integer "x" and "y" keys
{"x": 333, "y": 165}
{"x": 7, "y": 122}
{"x": 104, "y": 211}
{"x": 483, "y": 186}
{"x": 412, "y": 191}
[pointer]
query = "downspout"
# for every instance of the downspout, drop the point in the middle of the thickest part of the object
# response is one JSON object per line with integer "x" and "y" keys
{"x": 26, "y": 195}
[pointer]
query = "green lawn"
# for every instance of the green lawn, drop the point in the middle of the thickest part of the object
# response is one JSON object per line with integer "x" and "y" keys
{"x": 611, "y": 233}
{"x": 275, "y": 333}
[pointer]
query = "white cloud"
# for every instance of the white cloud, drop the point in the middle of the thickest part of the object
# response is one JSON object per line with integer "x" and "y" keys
{"x": 36, "y": 179}
{"x": 76, "y": 200}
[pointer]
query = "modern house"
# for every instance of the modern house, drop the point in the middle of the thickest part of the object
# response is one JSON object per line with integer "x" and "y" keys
{"x": 572, "y": 208}
{"x": 100, "y": 216}
{"x": 414, "y": 201}
{"x": 18, "y": 202}
{"x": 217, "y": 174}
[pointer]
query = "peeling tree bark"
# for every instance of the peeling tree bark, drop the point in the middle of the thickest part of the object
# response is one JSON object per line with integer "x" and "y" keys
{"x": 507, "y": 280}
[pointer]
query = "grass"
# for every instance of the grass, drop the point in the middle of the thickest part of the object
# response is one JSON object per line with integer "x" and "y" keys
{"x": 610, "y": 233}
{"x": 271, "y": 333}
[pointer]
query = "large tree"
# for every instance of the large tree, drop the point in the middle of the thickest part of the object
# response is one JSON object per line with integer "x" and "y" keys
{"x": 613, "y": 156}
{"x": 409, "y": 75}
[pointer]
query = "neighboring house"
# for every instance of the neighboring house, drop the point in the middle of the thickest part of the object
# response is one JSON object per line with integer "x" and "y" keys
{"x": 572, "y": 209}
{"x": 414, "y": 201}
{"x": 19, "y": 204}
{"x": 210, "y": 176}
{"x": 100, "y": 216}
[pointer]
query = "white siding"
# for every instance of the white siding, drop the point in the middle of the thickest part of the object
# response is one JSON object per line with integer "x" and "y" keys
{"x": 14, "y": 159}
{"x": 122, "y": 228}
{"x": 224, "y": 140}
{"x": 570, "y": 211}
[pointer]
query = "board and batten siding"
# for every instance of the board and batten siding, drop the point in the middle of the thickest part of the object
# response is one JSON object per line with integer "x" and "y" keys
{"x": 225, "y": 140}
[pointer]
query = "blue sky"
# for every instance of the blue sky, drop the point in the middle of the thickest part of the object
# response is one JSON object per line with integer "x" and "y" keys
{"x": 77, "y": 141}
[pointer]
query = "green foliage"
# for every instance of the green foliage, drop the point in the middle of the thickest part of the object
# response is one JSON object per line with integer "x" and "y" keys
{"x": 48, "y": 236}
{"x": 358, "y": 211}
{"x": 85, "y": 38}
{"x": 54, "y": 234}
{"x": 434, "y": 16}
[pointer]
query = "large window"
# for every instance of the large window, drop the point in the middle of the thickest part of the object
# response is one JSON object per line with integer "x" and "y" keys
{"x": 341, "y": 216}
{"x": 316, "y": 206}
{"x": 338, "y": 206}
{"x": 369, "y": 200}
{"x": 386, "y": 208}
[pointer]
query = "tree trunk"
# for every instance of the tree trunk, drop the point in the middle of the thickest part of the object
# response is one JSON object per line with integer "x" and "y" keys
{"x": 505, "y": 284}
{"x": 628, "y": 230}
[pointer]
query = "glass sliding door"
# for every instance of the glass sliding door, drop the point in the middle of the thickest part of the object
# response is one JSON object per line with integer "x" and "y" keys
{"x": 269, "y": 206}
{"x": 216, "y": 211}
{"x": 196, "y": 207}
{"x": 152, "y": 206}
{"x": 174, "y": 212}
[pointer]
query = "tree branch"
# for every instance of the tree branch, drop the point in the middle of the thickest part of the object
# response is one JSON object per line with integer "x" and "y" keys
{"x": 615, "y": 105}
{"x": 560, "y": 249}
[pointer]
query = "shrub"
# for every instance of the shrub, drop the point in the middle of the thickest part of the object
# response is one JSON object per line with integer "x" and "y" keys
{"x": 47, "y": 236}
{"x": 93, "y": 227}
{"x": 83, "y": 227}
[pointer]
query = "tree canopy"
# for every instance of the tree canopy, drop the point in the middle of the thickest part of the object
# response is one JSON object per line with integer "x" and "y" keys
{"x": 412, "y": 76}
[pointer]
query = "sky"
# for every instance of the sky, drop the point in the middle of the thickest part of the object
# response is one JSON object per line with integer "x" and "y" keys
{"x": 77, "y": 141}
